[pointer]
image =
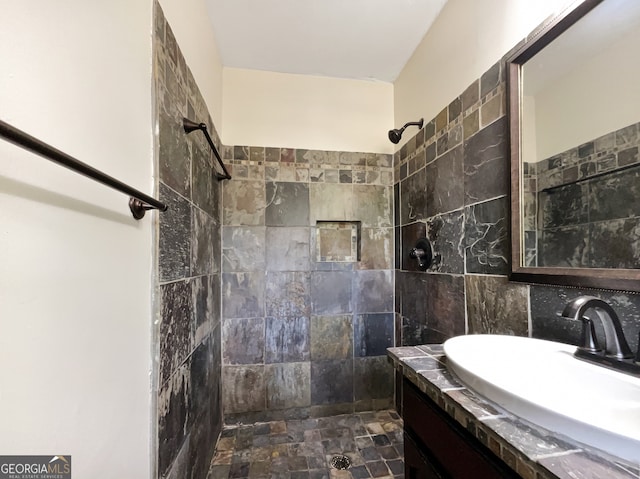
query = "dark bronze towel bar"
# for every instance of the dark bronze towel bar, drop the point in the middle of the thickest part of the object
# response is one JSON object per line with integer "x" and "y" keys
{"x": 190, "y": 126}
{"x": 139, "y": 202}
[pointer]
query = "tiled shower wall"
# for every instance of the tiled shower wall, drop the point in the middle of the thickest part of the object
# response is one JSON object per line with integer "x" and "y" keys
{"x": 594, "y": 220}
{"x": 451, "y": 185}
{"x": 188, "y": 335}
{"x": 301, "y": 336}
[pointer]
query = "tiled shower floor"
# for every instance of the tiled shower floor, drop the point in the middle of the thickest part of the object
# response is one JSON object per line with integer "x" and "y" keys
{"x": 302, "y": 449}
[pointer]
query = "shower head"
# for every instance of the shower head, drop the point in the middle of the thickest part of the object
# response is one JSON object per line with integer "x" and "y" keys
{"x": 395, "y": 135}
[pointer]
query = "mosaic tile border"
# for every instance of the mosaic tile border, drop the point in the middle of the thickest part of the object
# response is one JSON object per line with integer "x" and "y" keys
{"x": 308, "y": 166}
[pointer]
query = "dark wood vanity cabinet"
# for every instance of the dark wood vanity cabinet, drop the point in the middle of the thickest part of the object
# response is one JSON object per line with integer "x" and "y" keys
{"x": 436, "y": 446}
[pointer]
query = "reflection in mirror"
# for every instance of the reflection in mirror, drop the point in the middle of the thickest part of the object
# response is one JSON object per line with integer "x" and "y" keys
{"x": 580, "y": 138}
{"x": 577, "y": 137}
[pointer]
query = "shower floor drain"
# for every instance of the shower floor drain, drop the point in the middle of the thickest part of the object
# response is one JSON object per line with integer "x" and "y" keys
{"x": 340, "y": 462}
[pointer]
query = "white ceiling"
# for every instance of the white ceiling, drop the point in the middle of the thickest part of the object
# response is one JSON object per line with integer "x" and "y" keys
{"x": 360, "y": 39}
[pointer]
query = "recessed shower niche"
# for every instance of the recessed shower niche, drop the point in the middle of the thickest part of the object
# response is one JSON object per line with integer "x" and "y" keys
{"x": 338, "y": 241}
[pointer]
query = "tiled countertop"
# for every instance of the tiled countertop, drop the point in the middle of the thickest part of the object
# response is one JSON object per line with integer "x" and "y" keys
{"x": 534, "y": 452}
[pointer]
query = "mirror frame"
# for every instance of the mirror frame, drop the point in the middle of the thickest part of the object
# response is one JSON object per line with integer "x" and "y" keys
{"x": 616, "y": 279}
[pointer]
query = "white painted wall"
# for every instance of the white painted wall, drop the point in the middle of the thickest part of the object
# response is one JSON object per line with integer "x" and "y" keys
{"x": 465, "y": 40}
{"x": 75, "y": 281}
{"x": 296, "y": 111}
{"x": 595, "y": 98}
{"x": 190, "y": 23}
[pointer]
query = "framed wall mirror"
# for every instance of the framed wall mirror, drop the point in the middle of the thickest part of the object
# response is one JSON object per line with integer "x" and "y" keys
{"x": 574, "y": 107}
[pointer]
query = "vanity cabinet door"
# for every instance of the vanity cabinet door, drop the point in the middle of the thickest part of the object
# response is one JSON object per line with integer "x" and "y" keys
{"x": 416, "y": 465}
{"x": 451, "y": 451}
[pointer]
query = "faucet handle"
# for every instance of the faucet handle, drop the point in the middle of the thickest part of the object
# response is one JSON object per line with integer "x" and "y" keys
{"x": 589, "y": 340}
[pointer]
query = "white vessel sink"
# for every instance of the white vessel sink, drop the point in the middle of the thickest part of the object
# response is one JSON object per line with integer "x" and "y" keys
{"x": 543, "y": 383}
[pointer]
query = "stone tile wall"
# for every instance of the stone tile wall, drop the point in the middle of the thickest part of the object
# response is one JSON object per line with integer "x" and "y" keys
{"x": 304, "y": 337}
{"x": 188, "y": 257}
{"x": 451, "y": 185}
{"x": 593, "y": 223}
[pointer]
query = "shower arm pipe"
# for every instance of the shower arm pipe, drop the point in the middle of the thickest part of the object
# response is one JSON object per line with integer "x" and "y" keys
{"x": 190, "y": 126}
{"x": 413, "y": 123}
{"x": 139, "y": 202}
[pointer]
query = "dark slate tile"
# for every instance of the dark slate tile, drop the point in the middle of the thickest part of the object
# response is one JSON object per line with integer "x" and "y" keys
{"x": 272, "y": 154}
{"x": 241, "y": 153}
{"x": 244, "y": 389}
{"x": 176, "y": 310}
{"x": 175, "y": 236}
{"x": 397, "y": 243}
{"x": 615, "y": 196}
{"x": 243, "y": 341}
{"x": 396, "y": 467}
{"x": 373, "y": 291}
{"x": 378, "y": 469}
{"x": 205, "y": 292}
{"x": 373, "y": 334}
{"x": 429, "y": 130}
{"x": 203, "y": 435}
{"x": 486, "y": 163}
{"x": 173, "y": 418}
{"x": 288, "y": 385}
{"x": 205, "y": 244}
{"x": 564, "y": 247}
{"x": 243, "y": 295}
{"x": 373, "y": 378}
{"x": 410, "y": 235}
{"x": 331, "y": 292}
{"x": 243, "y": 248}
{"x": 287, "y": 339}
{"x": 287, "y": 204}
{"x": 585, "y": 150}
{"x": 413, "y": 295}
{"x": 396, "y": 204}
{"x": 287, "y": 293}
{"x": 487, "y": 237}
{"x": 445, "y": 190}
{"x": 627, "y": 135}
{"x": 414, "y": 332}
{"x": 446, "y": 234}
{"x": 430, "y": 153}
{"x": 490, "y": 79}
{"x": 496, "y": 306}
{"x": 206, "y": 191}
{"x": 547, "y": 304}
{"x": 442, "y": 120}
{"x": 563, "y": 206}
{"x": 287, "y": 248}
{"x": 359, "y": 472}
{"x": 174, "y": 160}
{"x": 455, "y": 108}
{"x": 346, "y": 176}
{"x": 471, "y": 95}
{"x": 628, "y": 156}
{"x": 413, "y": 198}
{"x": 612, "y": 244}
{"x": 445, "y": 305}
{"x": 331, "y": 382}
{"x": 331, "y": 337}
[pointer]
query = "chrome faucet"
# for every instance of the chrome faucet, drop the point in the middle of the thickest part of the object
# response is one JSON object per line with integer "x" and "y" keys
{"x": 617, "y": 353}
